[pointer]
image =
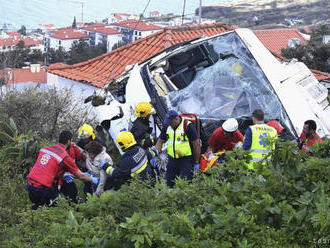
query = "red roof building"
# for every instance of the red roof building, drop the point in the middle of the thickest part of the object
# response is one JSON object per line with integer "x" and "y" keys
{"x": 22, "y": 75}
{"x": 136, "y": 25}
{"x": 105, "y": 68}
{"x": 276, "y": 39}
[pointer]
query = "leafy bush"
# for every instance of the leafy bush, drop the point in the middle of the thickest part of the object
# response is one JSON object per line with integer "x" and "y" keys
{"x": 44, "y": 112}
{"x": 284, "y": 204}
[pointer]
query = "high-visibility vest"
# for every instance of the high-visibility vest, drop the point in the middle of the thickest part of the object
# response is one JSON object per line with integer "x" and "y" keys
{"x": 178, "y": 143}
{"x": 259, "y": 148}
{"x": 47, "y": 165}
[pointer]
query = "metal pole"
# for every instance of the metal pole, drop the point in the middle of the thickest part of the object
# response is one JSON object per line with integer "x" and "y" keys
{"x": 200, "y": 11}
{"x": 184, "y": 6}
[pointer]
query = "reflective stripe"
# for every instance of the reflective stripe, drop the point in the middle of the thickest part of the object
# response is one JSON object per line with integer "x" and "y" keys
{"x": 140, "y": 167}
{"x": 261, "y": 151}
{"x": 58, "y": 158}
{"x": 306, "y": 148}
{"x": 260, "y": 159}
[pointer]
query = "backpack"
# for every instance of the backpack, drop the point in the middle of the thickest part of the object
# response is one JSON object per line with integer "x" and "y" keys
{"x": 193, "y": 118}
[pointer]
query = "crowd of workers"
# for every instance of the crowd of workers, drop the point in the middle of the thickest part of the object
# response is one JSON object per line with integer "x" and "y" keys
{"x": 57, "y": 166}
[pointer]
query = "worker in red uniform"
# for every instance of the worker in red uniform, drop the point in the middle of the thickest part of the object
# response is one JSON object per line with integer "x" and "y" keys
{"x": 308, "y": 136}
{"x": 225, "y": 137}
{"x": 51, "y": 164}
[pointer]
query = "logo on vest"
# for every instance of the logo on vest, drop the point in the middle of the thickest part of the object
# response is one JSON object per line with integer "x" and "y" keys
{"x": 44, "y": 159}
{"x": 262, "y": 139}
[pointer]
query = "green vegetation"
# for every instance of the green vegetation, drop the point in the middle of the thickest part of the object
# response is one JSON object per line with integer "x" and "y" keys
{"x": 285, "y": 204}
{"x": 314, "y": 54}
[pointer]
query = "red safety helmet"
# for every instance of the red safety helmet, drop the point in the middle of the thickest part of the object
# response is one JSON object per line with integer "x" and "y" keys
{"x": 275, "y": 124}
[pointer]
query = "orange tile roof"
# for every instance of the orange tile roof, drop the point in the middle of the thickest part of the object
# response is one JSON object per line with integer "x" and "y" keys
{"x": 101, "y": 29}
{"x": 69, "y": 34}
{"x": 321, "y": 76}
{"x": 136, "y": 25}
{"x": 14, "y": 41}
{"x": 276, "y": 39}
{"x": 107, "y": 67}
{"x": 24, "y": 75}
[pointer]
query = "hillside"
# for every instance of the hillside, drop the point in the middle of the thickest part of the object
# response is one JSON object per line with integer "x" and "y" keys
{"x": 247, "y": 13}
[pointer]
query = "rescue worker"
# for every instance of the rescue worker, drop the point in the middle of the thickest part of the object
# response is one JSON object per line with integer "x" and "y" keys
{"x": 133, "y": 162}
{"x": 225, "y": 137}
{"x": 141, "y": 126}
{"x": 256, "y": 136}
{"x": 308, "y": 137}
{"x": 68, "y": 187}
{"x": 51, "y": 164}
{"x": 183, "y": 147}
{"x": 85, "y": 135}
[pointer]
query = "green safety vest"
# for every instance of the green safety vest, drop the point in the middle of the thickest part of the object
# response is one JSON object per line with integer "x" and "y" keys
{"x": 178, "y": 143}
{"x": 259, "y": 148}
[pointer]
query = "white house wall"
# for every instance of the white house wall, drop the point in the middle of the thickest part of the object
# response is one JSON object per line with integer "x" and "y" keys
{"x": 112, "y": 40}
{"x": 79, "y": 89}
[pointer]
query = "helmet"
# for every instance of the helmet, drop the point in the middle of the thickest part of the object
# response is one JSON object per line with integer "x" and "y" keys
{"x": 125, "y": 140}
{"x": 275, "y": 124}
{"x": 230, "y": 125}
{"x": 143, "y": 109}
{"x": 86, "y": 131}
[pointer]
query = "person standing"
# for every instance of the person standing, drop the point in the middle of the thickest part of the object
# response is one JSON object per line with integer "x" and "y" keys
{"x": 183, "y": 147}
{"x": 52, "y": 162}
{"x": 256, "y": 137}
{"x": 225, "y": 137}
{"x": 141, "y": 126}
{"x": 134, "y": 162}
{"x": 308, "y": 137}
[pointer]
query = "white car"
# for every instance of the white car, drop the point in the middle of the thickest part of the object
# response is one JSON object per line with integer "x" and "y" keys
{"x": 225, "y": 76}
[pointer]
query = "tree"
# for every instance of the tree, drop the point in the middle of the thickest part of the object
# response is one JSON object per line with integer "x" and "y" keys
{"x": 59, "y": 55}
{"x": 315, "y": 54}
{"x": 36, "y": 56}
{"x": 74, "y": 24}
{"x": 118, "y": 44}
{"x": 79, "y": 52}
{"x": 22, "y": 30}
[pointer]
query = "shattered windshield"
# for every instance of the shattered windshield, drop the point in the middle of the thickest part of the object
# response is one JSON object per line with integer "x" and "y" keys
{"x": 232, "y": 86}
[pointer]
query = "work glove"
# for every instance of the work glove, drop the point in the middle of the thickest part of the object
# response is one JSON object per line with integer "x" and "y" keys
{"x": 88, "y": 174}
{"x": 153, "y": 162}
{"x": 68, "y": 178}
{"x": 104, "y": 165}
{"x": 95, "y": 180}
{"x": 196, "y": 167}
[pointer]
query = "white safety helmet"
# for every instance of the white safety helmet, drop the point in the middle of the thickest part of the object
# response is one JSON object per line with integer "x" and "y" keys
{"x": 230, "y": 125}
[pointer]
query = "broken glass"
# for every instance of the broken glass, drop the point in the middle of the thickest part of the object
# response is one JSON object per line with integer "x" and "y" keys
{"x": 233, "y": 87}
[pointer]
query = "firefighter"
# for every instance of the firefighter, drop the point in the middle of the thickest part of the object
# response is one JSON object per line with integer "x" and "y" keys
{"x": 133, "y": 162}
{"x": 255, "y": 138}
{"x": 183, "y": 147}
{"x": 86, "y": 134}
{"x": 141, "y": 126}
{"x": 51, "y": 164}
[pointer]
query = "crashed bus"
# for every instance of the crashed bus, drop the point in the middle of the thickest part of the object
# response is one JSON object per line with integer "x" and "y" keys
{"x": 225, "y": 76}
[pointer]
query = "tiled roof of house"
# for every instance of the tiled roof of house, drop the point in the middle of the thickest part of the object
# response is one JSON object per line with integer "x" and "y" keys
{"x": 321, "y": 76}
{"x": 24, "y": 75}
{"x": 137, "y": 25}
{"x": 69, "y": 34}
{"x": 276, "y": 39}
{"x": 101, "y": 70}
{"x": 101, "y": 29}
{"x": 14, "y": 41}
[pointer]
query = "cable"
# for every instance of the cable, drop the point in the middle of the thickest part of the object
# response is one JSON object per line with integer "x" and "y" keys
{"x": 145, "y": 8}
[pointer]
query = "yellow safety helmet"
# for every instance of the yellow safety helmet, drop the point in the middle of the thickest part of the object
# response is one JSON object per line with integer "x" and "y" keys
{"x": 86, "y": 131}
{"x": 125, "y": 140}
{"x": 143, "y": 109}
